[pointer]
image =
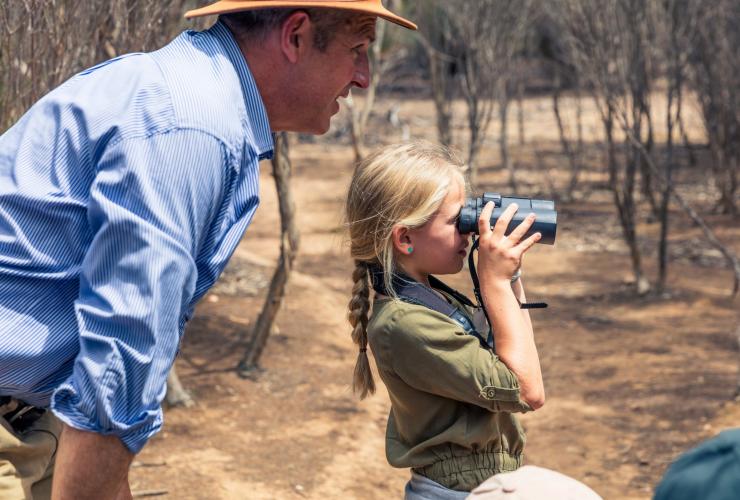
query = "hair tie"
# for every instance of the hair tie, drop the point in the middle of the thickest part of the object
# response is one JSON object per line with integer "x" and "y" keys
{"x": 363, "y": 349}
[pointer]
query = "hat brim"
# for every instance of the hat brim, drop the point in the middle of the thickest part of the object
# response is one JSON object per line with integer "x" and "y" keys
{"x": 225, "y": 7}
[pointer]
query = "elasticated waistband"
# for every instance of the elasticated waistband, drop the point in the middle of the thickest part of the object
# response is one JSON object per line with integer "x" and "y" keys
{"x": 469, "y": 469}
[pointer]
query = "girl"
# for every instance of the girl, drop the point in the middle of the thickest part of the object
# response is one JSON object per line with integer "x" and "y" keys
{"x": 453, "y": 396}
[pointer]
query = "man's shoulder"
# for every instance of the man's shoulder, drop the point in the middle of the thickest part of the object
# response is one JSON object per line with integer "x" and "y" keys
{"x": 123, "y": 96}
{"x": 187, "y": 84}
{"x": 190, "y": 84}
{"x": 203, "y": 86}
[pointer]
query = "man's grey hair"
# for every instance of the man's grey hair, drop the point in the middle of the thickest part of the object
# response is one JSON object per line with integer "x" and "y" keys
{"x": 254, "y": 25}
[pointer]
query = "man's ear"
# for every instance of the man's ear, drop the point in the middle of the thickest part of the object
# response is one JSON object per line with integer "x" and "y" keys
{"x": 401, "y": 239}
{"x": 295, "y": 34}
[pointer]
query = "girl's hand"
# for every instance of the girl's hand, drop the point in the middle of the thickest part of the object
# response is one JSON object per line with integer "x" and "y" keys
{"x": 499, "y": 256}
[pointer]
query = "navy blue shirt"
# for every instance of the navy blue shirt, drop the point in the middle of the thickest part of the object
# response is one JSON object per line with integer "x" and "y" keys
{"x": 123, "y": 193}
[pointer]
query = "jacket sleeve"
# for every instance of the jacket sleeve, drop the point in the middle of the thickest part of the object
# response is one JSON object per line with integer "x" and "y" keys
{"x": 151, "y": 203}
{"x": 432, "y": 353}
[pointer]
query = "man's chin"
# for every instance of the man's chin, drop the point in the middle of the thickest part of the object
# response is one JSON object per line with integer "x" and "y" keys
{"x": 320, "y": 128}
{"x": 318, "y": 124}
{"x": 315, "y": 127}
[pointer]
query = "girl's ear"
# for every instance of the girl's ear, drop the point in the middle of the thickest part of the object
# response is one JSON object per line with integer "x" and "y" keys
{"x": 401, "y": 239}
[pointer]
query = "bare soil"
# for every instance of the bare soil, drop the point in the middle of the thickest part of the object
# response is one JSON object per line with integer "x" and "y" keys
{"x": 631, "y": 381}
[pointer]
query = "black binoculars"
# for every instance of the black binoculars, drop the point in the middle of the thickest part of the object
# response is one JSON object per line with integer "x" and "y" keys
{"x": 546, "y": 221}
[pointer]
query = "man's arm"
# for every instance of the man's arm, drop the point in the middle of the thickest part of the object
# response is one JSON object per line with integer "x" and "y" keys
{"x": 151, "y": 205}
{"x": 90, "y": 466}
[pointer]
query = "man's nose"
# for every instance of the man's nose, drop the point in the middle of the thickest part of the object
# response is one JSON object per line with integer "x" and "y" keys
{"x": 361, "y": 78}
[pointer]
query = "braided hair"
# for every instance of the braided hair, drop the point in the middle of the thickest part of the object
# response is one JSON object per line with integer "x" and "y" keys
{"x": 359, "y": 305}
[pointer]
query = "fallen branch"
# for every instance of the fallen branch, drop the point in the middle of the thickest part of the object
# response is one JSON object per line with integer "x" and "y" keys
{"x": 149, "y": 493}
{"x": 148, "y": 464}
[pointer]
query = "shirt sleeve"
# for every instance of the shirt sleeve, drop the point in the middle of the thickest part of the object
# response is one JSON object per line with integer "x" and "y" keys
{"x": 151, "y": 205}
{"x": 433, "y": 354}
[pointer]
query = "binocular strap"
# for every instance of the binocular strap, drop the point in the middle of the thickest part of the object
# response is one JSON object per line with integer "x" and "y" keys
{"x": 413, "y": 292}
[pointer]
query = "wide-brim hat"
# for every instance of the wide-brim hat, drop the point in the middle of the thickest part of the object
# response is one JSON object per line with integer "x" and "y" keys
{"x": 374, "y": 7}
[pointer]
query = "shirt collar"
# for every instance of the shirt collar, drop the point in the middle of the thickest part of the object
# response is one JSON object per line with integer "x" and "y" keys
{"x": 256, "y": 111}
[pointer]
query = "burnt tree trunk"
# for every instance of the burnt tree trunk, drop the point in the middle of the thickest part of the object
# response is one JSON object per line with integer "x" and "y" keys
{"x": 359, "y": 117}
{"x": 520, "y": 108}
{"x": 442, "y": 94}
{"x": 573, "y": 159}
{"x": 737, "y": 388}
{"x": 666, "y": 195}
{"x": 289, "y": 240}
{"x": 623, "y": 194}
{"x": 503, "y": 109}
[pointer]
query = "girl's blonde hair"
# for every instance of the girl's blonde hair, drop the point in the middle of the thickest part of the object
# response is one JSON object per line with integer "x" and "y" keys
{"x": 398, "y": 185}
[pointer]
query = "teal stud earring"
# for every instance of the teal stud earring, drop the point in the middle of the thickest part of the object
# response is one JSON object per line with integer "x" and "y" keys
{"x": 410, "y": 250}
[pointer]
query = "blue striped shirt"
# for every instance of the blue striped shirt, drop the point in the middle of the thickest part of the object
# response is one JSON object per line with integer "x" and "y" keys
{"x": 123, "y": 193}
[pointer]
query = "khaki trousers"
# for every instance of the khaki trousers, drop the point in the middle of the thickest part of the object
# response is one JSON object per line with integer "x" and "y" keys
{"x": 27, "y": 459}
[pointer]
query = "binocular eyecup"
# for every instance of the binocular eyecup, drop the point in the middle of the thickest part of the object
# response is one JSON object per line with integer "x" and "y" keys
{"x": 546, "y": 218}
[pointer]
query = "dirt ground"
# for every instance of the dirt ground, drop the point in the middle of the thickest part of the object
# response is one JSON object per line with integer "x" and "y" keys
{"x": 631, "y": 382}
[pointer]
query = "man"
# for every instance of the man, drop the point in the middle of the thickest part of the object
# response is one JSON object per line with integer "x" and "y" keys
{"x": 123, "y": 193}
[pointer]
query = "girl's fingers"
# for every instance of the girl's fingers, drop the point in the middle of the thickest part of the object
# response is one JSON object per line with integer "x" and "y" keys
{"x": 484, "y": 221}
{"x": 519, "y": 232}
{"x": 499, "y": 230}
{"x": 529, "y": 242}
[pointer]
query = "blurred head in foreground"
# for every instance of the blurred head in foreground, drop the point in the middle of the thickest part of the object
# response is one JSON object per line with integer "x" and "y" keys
{"x": 711, "y": 471}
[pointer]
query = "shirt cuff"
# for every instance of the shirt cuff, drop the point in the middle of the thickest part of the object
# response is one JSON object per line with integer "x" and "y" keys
{"x": 66, "y": 405}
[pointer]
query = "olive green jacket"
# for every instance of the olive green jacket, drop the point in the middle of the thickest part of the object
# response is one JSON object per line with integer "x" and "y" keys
{"x": 452, "y": 399}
